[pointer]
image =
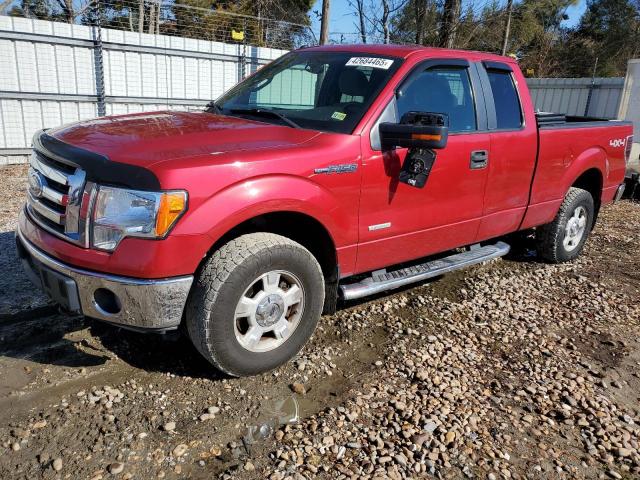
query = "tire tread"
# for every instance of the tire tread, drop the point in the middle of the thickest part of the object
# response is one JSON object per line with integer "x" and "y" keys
{"x": 214, "y": 273}
{"x": 548, "y": 237}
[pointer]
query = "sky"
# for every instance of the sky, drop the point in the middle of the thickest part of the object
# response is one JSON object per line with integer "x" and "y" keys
{"x": 343, "y": 20}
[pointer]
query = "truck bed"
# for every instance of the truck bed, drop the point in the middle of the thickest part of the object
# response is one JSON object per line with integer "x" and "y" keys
{"x": 558, "y": 120}
{"x": 565, "y": 152}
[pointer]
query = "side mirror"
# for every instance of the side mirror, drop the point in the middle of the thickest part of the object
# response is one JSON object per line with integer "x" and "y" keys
{"x": 416, "y": 130}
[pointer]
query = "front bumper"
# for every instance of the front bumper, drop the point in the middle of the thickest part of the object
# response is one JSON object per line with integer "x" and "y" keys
{"x": 140, "y": 304}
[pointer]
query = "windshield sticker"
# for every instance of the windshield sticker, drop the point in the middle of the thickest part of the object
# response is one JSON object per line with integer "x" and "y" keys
{"x": 373, "y": 62}
{"x": 339, "y": 116}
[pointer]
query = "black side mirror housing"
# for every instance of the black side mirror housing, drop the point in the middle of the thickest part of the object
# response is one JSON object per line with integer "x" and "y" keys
{"x": 416, "y": 130}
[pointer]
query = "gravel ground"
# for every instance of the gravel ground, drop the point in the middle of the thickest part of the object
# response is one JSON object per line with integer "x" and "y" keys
{"x": 513, "y": 369}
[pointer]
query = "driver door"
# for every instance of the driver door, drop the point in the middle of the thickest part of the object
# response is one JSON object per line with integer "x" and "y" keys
{"x": 399, "y": 222}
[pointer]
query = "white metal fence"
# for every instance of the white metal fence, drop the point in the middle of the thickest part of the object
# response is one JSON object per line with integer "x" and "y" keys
{"x": 50, "y": 75}
{"x": 598, "y": 97}
{"x": 630, "y": 108}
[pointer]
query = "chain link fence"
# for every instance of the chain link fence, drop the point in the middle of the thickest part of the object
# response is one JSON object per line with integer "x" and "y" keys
{"x": 161, "y": 17}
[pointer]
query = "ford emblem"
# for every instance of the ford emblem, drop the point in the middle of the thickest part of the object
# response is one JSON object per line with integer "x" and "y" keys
{"x": 36, "y": 184}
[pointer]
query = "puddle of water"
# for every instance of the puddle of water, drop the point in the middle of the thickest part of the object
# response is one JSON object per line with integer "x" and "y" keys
{"x": 281, "y": 412}
{"x": 327, "y": 392}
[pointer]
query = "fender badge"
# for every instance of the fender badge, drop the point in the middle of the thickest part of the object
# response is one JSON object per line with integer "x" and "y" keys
{"x": 379, "y": 226}
{"x": 342, "y": 168}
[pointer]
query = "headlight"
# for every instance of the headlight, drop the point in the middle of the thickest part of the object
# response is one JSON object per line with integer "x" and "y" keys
{"x": 120, "y": 213}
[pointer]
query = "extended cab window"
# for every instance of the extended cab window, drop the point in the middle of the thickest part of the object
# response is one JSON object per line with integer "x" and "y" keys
{"x": 328, "y": 91}
{"x": 505, "y": 96}
{"x": 442, "y": 90}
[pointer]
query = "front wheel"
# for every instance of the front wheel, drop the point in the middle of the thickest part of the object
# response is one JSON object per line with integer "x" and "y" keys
{"x": 564, "y": 238}
{"x": 255, "y": 303}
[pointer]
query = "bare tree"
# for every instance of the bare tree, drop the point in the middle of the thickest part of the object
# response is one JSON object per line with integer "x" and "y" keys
{"x": 382, "y": 17}
{"x": 152, "y": 17}
{"x": 158, "y": 17}
{"x": 67, "y": 10}
{"x": 420, "y": 11}
{"x": 141, "y": 16}
{"x": 450, "y": 22}
{"x": 386, "y": 12}
{"x": 359, "y": 11}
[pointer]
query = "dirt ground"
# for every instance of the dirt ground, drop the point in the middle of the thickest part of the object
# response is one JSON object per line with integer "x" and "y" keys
{"x": 512, "y": 369}
{"x": 17, "y": 294}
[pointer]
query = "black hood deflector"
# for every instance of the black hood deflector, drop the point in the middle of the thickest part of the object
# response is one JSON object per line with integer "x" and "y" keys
{"x": 99, "y": 168}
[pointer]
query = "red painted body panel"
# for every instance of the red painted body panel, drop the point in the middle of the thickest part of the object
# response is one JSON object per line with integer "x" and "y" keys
{"x": 235, "y": 169}
{"x": 444, "y": 214}
{"x": 564, "y": 155}
{"x": 135, "y": 257}
{"x": 146, "y": 139}
{"x": 512, "y": 161}
{"x": 240, "y": 185}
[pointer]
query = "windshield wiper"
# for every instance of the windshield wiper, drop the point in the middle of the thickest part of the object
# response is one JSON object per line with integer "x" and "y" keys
{"x": 265, "y": 113}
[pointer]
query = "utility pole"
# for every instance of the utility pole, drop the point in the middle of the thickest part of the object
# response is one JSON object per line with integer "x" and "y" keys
{"x": 324, "y": 23}
{"x": 507, "y": 27}
{"x": 363, "y": 29}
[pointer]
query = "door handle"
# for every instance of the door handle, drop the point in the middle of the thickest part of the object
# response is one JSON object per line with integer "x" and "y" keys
{"x": 479, "y": 159}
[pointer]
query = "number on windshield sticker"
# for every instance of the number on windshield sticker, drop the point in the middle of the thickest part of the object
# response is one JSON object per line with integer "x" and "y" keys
{"x": 373, "y": 62}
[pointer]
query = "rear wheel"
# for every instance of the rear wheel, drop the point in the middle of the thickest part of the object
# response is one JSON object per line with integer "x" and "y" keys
{"x": 564, "y": 238}
{"x": 255, "y": 303}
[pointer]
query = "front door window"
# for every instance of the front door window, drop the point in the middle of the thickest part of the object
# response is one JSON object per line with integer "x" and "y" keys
{"x": 442, "y": 90}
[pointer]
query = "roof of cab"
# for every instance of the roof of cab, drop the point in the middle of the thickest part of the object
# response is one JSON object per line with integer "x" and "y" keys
{"x": 404, "y": 51}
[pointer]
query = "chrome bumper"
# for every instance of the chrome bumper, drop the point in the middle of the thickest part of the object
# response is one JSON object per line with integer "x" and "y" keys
{"x": 619, "y": 192}
{"x": 135, "y": 303}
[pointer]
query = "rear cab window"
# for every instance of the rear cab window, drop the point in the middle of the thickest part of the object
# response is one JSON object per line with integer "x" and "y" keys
{"x": 506, "y": 100}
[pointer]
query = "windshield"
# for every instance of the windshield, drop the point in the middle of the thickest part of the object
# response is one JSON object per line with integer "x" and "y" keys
{"x": 328, "y": 91}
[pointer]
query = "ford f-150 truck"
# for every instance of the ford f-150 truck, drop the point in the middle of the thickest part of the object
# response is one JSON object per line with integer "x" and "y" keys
{"x": 334, "y": 172}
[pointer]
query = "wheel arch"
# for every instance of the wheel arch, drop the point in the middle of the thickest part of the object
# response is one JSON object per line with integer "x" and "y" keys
{"x": 300, "y": 227}
{"x": 588, "y": 171}
{"x": 592, "y": 181}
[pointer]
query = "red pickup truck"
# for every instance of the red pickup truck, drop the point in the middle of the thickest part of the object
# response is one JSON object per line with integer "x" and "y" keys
{"x": 333, "y": 172}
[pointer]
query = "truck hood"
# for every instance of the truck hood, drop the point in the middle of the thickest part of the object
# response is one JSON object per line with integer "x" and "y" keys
{"x": 147, "y": 138}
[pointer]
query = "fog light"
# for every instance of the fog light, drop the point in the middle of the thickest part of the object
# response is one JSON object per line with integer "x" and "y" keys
{"x": 107, "y": 301}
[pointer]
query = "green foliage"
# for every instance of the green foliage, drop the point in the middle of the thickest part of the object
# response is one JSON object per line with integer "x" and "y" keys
{"x": 39, "y": 9}
{"x": 607, "y": 36}
{"x": 482, "y": 30}
{"x": 416, "y": 22}
{"x": 608, "y": 31}
{"x": 538, "y": 34}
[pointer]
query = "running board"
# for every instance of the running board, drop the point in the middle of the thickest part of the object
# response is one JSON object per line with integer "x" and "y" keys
{"x": 381, "y": 280}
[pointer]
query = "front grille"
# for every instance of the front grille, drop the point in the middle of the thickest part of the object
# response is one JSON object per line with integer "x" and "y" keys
{"x": 55, "y": 195}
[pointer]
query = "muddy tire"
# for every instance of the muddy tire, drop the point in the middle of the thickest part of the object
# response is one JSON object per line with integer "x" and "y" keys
{"x": 255, "y": 303}
{"x": 563, "y": 239}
